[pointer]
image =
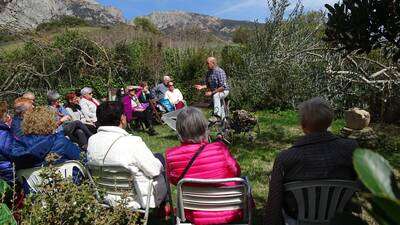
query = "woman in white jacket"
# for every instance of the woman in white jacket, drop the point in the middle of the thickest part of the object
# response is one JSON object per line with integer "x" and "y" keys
{"x": 113, "y": 146}
{"x": 89, "y": 104}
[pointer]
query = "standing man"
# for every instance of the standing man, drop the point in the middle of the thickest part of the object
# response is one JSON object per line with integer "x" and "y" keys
{"x": 217, "y": 84}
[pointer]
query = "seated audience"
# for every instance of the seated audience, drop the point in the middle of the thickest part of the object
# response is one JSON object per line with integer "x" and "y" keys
{"x": 74, "y": 110}
{"x": 30, "y": 96}
{"x": 142, "y": 111}
{"x": 158, "y": 92}
{"x": 6, "y": 140}
{"x": 88, "y": 104}
{"x": 74, "y": 129}
{"x": 214, "y": 162}
{"x": 317, "y": 155}
{"x": 112, "y": 145}
{"x": 21, "y": 106}
{"x": 174, "y": 96}
{"x": 40, "y": 139}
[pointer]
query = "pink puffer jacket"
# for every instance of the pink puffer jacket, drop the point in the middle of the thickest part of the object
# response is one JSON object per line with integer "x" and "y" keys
{"x": 214, "y": 162}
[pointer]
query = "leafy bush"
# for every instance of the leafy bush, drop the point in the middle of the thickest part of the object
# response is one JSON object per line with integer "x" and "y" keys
{"x": 382, "y": 202}
{"x": 6, "y": 36}
{"x": 273, "y": 69}
{"x": 6, "y": 194}
{"x": 62, "y": 202}
{"x": 146, "y": 25}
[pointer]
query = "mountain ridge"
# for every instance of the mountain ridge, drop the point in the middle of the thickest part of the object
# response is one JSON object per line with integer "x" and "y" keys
{"x": 174, "y": 21}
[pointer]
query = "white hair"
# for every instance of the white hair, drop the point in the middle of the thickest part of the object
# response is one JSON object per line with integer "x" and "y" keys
{"x": 167, "y": 78}
{"x": 86, "y": 90}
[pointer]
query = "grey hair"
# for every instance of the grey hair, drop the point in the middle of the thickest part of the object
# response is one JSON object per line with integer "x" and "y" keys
{"x": 191, "y": 125}
{"x": 316, "y": 114}
{"x": 52, "y": 96}
{"x": 86, "y": 90}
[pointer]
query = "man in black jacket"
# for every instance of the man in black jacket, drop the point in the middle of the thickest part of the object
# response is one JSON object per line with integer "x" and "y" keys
{"x": 317, "y": 155}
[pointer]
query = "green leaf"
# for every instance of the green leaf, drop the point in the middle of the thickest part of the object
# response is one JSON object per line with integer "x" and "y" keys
{"x": 374, "y": 171}
{"x": 388, "y": 208}
{"x": 4, "y": 188}
{"x": 6, "y": 216}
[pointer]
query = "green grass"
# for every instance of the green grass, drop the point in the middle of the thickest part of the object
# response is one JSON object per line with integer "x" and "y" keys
{"x": 278, "y": 131}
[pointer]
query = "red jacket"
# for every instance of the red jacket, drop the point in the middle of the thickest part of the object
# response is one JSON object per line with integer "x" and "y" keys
{"x": 214, "y": 162}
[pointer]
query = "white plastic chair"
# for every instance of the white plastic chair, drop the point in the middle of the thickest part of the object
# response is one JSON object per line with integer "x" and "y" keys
{"x": 209, "y": 197}
{"x": 117, "y": 180}
{"x": 33, "y": 179}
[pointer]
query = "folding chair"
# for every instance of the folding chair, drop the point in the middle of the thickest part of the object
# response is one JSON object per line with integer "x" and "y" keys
{"x": 32, "y": 175}
{"x": 119, "y": 181}
{"x": 318, "y": 201}
{"x": 209, "y": 197}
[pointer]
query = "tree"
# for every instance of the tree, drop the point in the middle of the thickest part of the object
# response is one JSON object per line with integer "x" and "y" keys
{"x": 241, "y": 35}
{"x": 146, "y": 25}
{"x": 364, "y": 25}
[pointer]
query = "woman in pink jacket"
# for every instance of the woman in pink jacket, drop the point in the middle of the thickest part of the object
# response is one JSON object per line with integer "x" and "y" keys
{"x": 214, "y": 162}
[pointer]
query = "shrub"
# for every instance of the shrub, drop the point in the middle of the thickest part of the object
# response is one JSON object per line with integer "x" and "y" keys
{"x": 62, "y": 22}
{"x": 146, "y": 25}
{"x": 62, "y": 202}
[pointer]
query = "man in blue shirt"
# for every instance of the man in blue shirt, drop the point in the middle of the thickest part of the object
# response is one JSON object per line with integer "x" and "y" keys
{"x": 217, "y": 83}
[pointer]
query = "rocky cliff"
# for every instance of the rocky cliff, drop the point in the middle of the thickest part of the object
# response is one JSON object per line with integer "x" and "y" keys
{"x": 27, "y": 14}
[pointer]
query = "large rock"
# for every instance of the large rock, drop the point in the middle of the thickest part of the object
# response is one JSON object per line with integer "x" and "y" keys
{"x": 357, "y": 119}
{"x": 366, "y": 137}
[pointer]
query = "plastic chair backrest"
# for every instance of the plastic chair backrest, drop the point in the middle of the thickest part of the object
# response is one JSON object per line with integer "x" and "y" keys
{"x": 318, "y": 201}
{"x": 210, "y": 195}
{"x": 66, "y": 169}
{"x": 115, "y": 180}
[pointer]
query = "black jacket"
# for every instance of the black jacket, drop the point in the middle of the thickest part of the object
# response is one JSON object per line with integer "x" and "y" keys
{"x": 313, "y": 157}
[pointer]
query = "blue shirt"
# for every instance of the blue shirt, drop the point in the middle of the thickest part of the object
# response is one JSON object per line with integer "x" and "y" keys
{"x": 61, "y": 111}
{"x": 216, "y": 78}
{"x": 159, "y": 91}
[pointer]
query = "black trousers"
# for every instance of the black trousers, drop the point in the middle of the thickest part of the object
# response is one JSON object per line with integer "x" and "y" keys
{"x": 145, "y": 116}
{"x": 77, "y": 132}
{"x": 161, "y": 158}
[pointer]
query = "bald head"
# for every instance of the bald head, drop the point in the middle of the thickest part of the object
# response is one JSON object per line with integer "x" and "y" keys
{"x": 211, "y": 63}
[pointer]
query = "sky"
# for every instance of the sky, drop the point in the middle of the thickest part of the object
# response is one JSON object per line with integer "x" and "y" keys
{"x": 250, "y": 10}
